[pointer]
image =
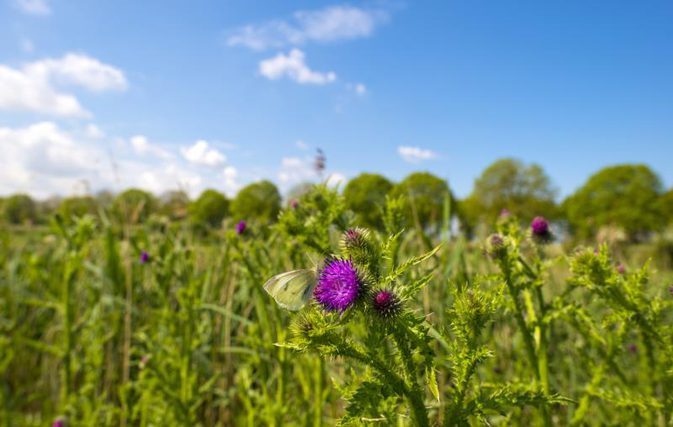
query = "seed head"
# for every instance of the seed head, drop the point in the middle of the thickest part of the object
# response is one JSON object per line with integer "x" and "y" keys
{"x": 339, "y": 285}
{"x": 386, "y": 303}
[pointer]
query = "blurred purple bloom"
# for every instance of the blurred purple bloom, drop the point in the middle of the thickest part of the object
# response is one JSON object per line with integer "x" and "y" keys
{"x": 632, "y": 348}
{"x": 505, "y": 213}
{"x": 539, "y": 226}
{"x": 294, "y": 203}
{"x": 144, "y": 257}
{"x": 58, "y": 422}
{"x": 339, "y": 285}
{"x": 240, "y": 227}
{"x": 621, "y": 269}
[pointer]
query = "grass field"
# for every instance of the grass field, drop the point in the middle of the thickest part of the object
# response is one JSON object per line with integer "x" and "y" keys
{"x": 513, "y": 331}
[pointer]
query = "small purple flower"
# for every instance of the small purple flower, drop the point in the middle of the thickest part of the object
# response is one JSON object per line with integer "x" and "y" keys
{"x": 294, "y": 203}
{"x": 495, "y": 246}
{"x": 339, "y": 285}
{"x": 505, "y": 213}
{"x": 241, "y": 227}
{"x": 58, "y": 422}
{"x": 621, "y": 269}
{"x": 386, "y": 303}
{"x": 540, "y": 228}
{"x": 632, "y": 348}
{"x": 144, "y": 257}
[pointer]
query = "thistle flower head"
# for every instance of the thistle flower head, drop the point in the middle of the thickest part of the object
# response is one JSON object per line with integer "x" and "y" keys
{"x": 505, "y": 213}
{"x": 294, "y": 203}
{"x": 58, "y": 422}
{"x": 621, "y": 269}
{"x": 632, "y": 348}
{"x": 386, "y": 303}
{"x": 540, "y": 228}
{"x": 354, "y": 239}
{"x": 339, "y": 285}
{"x": 144, "y": 257}
{"x": 495, "y": 246}
{"x": 241, "y": 227}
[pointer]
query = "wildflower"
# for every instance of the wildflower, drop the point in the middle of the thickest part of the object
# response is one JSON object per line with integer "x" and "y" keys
{"x": 632, "y": 348}
{"x": 144, "y": 257}
{"x": 58, "y": 422}
{"x": 540, "y": 228}
{"x": 670, "y": 290}
{"x": 505, "y": 213}
{"x": 241, "y": 227}
{"x": 621, "y": 269}
{"x": 339, "y": 285}
{"x": 495, "y": 246}
{"x": 294, "y": 203}
{"x": 354, "y": 238}
{"x": 386, "y": 303}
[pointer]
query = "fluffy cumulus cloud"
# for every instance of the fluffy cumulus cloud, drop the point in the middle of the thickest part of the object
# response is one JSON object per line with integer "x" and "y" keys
{"x": 415, "y": 154}
{"x": 330, "y": 24}
{"x": 44, "y": 159}
{"x": 33, "y": 7}
{"x": 36, "y": 87}
{"x": 293, "y": 66}
{"x": 200, "y": 153}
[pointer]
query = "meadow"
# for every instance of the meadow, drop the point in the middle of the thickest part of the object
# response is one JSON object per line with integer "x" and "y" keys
{"x": 156, "y": 323}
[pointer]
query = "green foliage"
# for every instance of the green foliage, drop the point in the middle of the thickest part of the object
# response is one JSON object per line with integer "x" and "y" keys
{"x": 19, "y": 209}
{"x": 425, "y": 196}
{"x": 134, "y": 205}
{"x": 666, "y": 206}
{"x": 174, "y": 205}
{"x": 625, "y": 196}
{"x": 210, "y": 208}
{"x": 74, "y": 207}
{"x": 366, "y": 195}
{"x": 526, "y": 335}
{"x": 524, "y": 190}
{"x": 258, "y": 201}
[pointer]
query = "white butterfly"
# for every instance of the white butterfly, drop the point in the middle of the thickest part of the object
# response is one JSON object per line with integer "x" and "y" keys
{"x": 292, "y": 289}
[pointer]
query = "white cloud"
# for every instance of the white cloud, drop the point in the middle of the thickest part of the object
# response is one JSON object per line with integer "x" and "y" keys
{"x": 324, "y": 25}
{"x": 33, "y": 7}
{"x": 80, "y": 70}
{"x": 200, "y": 154}
{"x": 44, "y": 159}
{"x": 31, "y": 88}
{"x": 336, "y": 179}
{"x": 415, "y": 154}
{"x": 294, "y": 67}
{"x": 360, "y": 89}
{"x": 301, "y": 145}
{"x": 93, "y": 132}
{"x": 295, "y": 170}
{"x": 142, "y": 146}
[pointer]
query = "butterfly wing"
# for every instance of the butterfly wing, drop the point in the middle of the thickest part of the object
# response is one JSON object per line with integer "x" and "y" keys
{"x": 293, "y": 289}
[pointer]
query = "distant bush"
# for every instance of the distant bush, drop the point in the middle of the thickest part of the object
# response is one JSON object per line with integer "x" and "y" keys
{"x": 259, "y": 200}
{"x": 365, "y": 195}
{"x": 210, "y": 208}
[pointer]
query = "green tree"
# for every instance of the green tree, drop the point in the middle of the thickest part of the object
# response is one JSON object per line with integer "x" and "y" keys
{"x": 20, "y": 209}
{"x": 259, "y": 200}
{"x": 625, "y": 196}
{"x": 134, "y": 205}
{"x": 174, "y": 204}
{"x": 77, "y": 206}
{"x": 366, "y": 195}
{"x": 666, "y": 206}
{"x": 210, "y": 208}
{"x": 524, "y": 190}
{"x": 425, "y": 198}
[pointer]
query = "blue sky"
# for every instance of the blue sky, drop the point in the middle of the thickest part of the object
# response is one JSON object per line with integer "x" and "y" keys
{"x": 174, "y": 94}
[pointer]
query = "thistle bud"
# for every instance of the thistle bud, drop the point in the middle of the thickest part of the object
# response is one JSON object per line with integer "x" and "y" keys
{"x": 386, "y": 303}
{"x": 539, "y": 228}
{"x": 495, "y": 246}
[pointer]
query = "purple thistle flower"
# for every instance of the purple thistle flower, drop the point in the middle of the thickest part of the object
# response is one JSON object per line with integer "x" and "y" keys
{"x": 505, "y": 213}
{"x": 539, "y": 227}
{"x": 495, "y": 246}
{"x": 632, "y": 348}
{"x": 670, "y": 290}
{"x": 294, "y": 203}
{"x": 386, "y": 303}
{"x": 144, "y": 257}
{"x": 621, "y": 269}
{"x": 58, "y": 422}
{"x": 339, "y": 285}
{"x": 240, "y": 227}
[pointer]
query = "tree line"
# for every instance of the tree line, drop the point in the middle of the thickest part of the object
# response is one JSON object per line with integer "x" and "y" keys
{"x": 629, "y": 199}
